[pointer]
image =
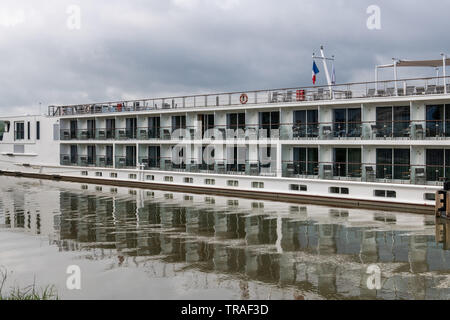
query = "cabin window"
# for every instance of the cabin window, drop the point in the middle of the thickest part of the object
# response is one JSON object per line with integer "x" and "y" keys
{"x": 113, "y": 190}
{"x": 188, "y": 198}
{"x": 210, "y": 181}
{"x": 84, "y": 173}
{"x": 38, "y": 130}
{"x": 168, "y": 196}
{"x": 132, "y": 192}
{"x": 132, "y": 176}
{"x": 150, "y": 177}
{"x": 113, "y": 175}
{"x": 168, "y": 179}
{"x": 298, "y": 187}
{"x": 257, "y": 185}
{"x": 257, "y": 205}
{"x": 337, "y": 190}
{"x": 84, "y": 187}
{"x": 99, "y": 174}
{"x": 98, "y": 189}
{"x": 233, "y": 183}
{"x": 19, "y": 133}
{"x": 188, "y": 180}
{"x": 429, "y": 196}
{"x": 385, "y": 194}
{"x": 210, "y": 200}
{"x": 233, "y": 203}
{"x": 150, "y": 194}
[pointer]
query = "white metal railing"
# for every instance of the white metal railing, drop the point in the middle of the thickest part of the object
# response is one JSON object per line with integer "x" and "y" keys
{"x": 405, "y": 87}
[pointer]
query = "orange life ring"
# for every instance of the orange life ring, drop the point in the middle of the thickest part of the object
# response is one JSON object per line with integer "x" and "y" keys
{"x": 243, "y": 98}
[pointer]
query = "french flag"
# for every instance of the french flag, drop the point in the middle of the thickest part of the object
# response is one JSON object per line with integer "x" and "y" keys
{"x": 315, "y": 71}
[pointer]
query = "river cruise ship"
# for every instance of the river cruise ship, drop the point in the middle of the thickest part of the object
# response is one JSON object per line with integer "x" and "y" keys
{"x": 383, "y": 144}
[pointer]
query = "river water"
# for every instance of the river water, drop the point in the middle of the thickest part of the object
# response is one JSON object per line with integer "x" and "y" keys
{"x": 149, "y": 244}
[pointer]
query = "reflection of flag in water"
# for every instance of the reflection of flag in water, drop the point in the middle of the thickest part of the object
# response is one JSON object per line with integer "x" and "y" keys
{"x": 315, "y": 71}
{"x": 333, "y": 75}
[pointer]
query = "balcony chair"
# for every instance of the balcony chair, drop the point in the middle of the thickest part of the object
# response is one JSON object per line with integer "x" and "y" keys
{"x": 418, "y": 130}
{"x": 420, "y": 90}
{"x": 410, "y": 90}
{"x": 290, "y": 170}
{"x": 326, "y": 132}
{"x": 220, "y": 167}
{"x": 370, "y": 174}
{"x": 381, "y": 93}
{"x": 143, "y": 134}
{"x": 431, "y": 89}
{"x": 440, "y": 89}
{"x": 371, "y": 93}
{"x": 166, "y": 134}
{"x": 102, "y": 134}
{"x": 390, "y": 91}
{"x": 420, "y": 176}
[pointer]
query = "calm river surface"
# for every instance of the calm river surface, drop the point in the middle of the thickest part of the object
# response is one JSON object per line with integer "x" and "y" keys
{"x": 144, "y": 244}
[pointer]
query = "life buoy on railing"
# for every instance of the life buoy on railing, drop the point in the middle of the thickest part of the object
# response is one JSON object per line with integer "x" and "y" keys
{"x": 243, "y": 98}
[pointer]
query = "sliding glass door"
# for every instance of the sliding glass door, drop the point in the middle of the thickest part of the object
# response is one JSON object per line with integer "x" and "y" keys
{"x": 347, "y": 162}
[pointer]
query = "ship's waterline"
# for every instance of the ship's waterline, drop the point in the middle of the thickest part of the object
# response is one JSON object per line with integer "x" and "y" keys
{"x": 135, "y": 243}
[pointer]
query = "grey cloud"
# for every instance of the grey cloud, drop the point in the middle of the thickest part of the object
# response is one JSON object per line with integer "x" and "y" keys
{"x": 138, "y": 49}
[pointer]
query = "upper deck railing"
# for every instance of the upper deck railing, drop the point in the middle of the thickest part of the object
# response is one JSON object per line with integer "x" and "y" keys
{"x": 389, "y": 88}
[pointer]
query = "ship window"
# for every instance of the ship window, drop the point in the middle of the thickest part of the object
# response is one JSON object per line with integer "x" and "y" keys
{"x": 258, "y": 185}
{"x": 385, "y": 194}
{"x": 99, "y": 174}
{"x": 380, "y": 193}
{"x": 150, "y": 194}
{"x": 233, "y": 183}
{"x": 337, "y": 190}
{"x": 334, "y": 190}
{"x": 98, "y": 189}
{"x": 19, "y": 133}
{"x": 113, "y": 190}
{"x": 257, "y": 205}
{"x": 38, "y": 130}
{"x": 188, "y": 180}
{"x": 168, "y": 179}
{"x": 168, "y": 196}
{"x": 84, "y": 173}
{"x": 210, "y": 200}
{"x": 113, "y": 175}
{"x": 233, "y": 203}
{"x": 84, "y": 187}
{"x": 188, "y": 198}
{"x": 132, "y": 176}
{"x": 150, "y": 177}
{"x": 391, "y": 194}
{"x": 298, "y": 187}
{"x": 210, "y": 181}
{"x": 132, "y": 192}
{"x": 429, "y": 196}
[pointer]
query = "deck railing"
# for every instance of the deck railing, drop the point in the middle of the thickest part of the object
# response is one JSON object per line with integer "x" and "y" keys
{"x": 405, "y": 87}
{"x": 352, "y": 130}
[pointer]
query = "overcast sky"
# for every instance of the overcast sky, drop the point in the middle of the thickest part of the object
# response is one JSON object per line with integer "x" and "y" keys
{"x": 150, "y": 48}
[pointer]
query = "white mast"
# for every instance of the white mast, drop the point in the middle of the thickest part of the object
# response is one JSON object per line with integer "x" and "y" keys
{"x": 324, "y": 60}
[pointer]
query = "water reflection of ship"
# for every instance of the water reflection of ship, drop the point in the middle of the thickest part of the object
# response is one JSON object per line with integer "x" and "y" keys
{"x": 443, "y": 232}
{"x": 321, "y": 251}
{"x": 244, "y": 243}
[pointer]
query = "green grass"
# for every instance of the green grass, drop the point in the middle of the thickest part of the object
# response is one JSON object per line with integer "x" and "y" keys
{"x": 27, "y": 293}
